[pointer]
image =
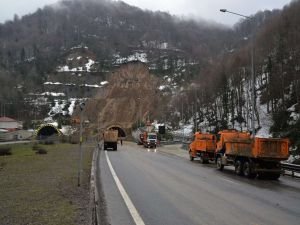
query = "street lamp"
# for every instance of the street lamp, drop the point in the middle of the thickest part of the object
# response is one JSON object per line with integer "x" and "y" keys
{"x": 81, "y": 106}
{"x": 252, "y": 69}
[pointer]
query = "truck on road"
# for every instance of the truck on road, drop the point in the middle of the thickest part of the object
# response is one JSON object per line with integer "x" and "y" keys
{"x": 110, "y": 139}
{"x": 149, "y": 139}
{"x": 203, "y": 147}
{"x": 251, "y": 156}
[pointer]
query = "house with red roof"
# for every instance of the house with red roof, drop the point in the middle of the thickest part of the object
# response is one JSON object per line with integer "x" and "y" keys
{"x": 8, "y": 124}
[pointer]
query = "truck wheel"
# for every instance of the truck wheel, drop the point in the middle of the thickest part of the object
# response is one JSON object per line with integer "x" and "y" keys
{"x": 247, "y": 170}
{"x": 191, "y": 157}
{"x": 238, "y": 168}
{"x": 220, "y": 166}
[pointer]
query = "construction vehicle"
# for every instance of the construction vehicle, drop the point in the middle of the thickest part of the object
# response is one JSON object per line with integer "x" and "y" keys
{"x": 110, "y": 139}
{"x": 203, "y": 147}
{"x": 149, "y": 139}
{"x": 251, "y": 156}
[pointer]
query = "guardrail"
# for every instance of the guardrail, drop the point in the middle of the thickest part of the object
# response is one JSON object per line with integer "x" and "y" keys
{"x": 291, "y": 168}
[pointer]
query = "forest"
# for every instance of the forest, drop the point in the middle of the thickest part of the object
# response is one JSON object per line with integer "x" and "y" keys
{"x": 213, "y": 80}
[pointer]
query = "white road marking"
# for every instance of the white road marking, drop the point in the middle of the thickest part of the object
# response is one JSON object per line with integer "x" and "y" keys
{"x": 230, "y": 181}
{"x": 133, "y": 211}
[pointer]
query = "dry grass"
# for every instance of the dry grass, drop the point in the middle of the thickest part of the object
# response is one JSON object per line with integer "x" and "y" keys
{"x": 42, "y": 189}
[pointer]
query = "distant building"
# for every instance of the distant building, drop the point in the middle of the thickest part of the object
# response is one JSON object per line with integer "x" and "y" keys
{"x": 9, "y": 124}
{"x": 10, "y": 130}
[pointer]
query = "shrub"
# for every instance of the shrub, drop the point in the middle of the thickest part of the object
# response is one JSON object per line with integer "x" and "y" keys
{"x": 41, "y": 151}
{"x": 5, "y": 151}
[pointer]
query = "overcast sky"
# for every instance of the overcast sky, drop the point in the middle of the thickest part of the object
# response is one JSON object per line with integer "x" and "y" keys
{"x": 206, "y": 9}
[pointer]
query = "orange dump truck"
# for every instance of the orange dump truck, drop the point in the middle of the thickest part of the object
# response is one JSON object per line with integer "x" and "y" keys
{"x": 203, "y": 147}
{"x": 110, "y": 139}
{"x": 251, "y": 157}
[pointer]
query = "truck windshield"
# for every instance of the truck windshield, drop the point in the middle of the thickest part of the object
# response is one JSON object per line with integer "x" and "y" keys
{"x": 152, "y": 136}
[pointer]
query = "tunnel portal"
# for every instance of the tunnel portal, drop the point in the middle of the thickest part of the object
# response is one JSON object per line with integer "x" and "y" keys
{"x": 47, "y": 130}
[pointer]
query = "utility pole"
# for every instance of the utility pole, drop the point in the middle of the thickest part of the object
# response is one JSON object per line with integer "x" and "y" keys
{"x": 80, "y": 144}
{"x": 252, "y": 70}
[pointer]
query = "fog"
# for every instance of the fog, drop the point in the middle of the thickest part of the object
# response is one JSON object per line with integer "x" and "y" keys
{"x": 204, "y": 9}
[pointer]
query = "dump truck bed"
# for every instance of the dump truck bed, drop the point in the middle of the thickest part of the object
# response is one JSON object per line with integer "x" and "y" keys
{"x": 277, "y": 148}
{"x": 110, "y": 136}
{"x": 204, "y": 142}
{"x": 205, "y": 145}
{"x": 268, "y": 148}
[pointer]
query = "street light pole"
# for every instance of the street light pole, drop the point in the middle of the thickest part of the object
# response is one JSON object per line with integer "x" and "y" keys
{"x": 252, "y": 69}
{"x": 80, "y": 145}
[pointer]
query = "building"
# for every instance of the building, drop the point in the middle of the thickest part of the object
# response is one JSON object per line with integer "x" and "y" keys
{"x": 9, "y": 124}
{"x": 10, "y": 130}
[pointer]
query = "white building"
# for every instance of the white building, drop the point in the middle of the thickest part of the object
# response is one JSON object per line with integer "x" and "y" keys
{"x": 8, "y": 123}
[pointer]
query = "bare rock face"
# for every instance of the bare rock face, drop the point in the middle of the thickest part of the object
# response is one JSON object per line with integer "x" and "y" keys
{"x": 131, "y": 95}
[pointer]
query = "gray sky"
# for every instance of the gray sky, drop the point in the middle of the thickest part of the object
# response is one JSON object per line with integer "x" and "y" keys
{"x": 206, "y": 9}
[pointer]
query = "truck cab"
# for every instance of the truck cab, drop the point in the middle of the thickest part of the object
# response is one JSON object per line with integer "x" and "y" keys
{"x": 150, "y": 140}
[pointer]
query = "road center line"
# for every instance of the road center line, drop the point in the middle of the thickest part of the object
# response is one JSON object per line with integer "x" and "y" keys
{"x": 133, "y": 211}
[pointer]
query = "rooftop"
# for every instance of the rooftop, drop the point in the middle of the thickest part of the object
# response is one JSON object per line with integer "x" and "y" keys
{"x": 7, "y": 119}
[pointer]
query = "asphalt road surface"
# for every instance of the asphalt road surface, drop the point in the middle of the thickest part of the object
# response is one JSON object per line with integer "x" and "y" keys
{"x": 169, "y": 190}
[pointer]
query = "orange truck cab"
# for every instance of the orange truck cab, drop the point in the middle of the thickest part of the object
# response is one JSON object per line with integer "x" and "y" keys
{"x": 251, "y": 157}
{"x": 203, "y": 147}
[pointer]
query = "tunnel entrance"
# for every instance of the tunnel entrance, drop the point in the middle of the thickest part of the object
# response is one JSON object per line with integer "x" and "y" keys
{"x": 46, "y": 131}
{"x": 121, "y": 132}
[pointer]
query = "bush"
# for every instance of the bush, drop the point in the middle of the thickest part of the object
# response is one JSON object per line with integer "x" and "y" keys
{"x": 38, "y": 149}
{"x": 5, "y": 150}
{"x": 41, "y": 151}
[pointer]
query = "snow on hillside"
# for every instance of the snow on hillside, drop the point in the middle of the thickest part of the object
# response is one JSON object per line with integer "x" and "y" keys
{"x": 102, "y": 83}
{"x": 137, "y": 56}
{"x": 86, "y": 68}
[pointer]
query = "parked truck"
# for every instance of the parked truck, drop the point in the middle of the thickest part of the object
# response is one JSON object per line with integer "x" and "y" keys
{"x": 203, "y": 147}
{"x": 251, "y": 156}
{"x": 110, "y": 139}
{"x": 149, "y": 139}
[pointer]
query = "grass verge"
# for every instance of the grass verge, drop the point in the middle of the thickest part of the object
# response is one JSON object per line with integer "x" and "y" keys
{"x": 42, "y": 189}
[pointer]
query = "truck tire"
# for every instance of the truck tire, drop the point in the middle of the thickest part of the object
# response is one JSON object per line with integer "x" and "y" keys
{"x": 220, "y": 166}
{"x": 191, "y": 157}
{"x": 247, "y": 170}
{"x": 238, "y": 167}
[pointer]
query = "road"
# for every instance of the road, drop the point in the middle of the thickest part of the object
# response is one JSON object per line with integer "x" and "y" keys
{"x": 169, "y": 190}
{"x": 14, "y": 142}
